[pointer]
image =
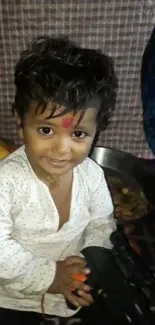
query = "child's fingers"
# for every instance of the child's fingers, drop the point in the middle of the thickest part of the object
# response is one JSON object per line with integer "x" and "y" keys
{"x": 75, "y": 260}
{"x": 77, "y": 285}
{"x": 72, "y": 298}
{"x": 85, "y": 298}
{"x": 78, "y": 271}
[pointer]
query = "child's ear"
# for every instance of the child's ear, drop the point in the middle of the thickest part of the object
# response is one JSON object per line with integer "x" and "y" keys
{"x": 20, "y": 133}
{"x": 19, "y": 125}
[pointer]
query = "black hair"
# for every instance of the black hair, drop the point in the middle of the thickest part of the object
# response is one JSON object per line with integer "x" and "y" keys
{"x": 55, "y": 69}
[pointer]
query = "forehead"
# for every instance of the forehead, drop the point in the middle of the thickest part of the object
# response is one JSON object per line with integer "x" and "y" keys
{"x": 66, "y": 120}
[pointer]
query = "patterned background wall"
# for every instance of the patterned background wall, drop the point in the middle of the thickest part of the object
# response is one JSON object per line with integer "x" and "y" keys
{"x": 120, "y": 28}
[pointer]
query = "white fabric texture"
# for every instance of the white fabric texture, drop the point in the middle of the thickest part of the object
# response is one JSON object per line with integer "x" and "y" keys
{"x": 30, "y": 242}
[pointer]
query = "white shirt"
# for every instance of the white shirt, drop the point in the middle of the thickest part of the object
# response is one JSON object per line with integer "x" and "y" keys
{"x": 30, "y": 242}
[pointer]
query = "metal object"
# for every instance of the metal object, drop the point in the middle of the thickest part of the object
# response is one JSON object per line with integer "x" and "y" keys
{"x": 133, "y": 170}
{"x": 114, "y": 159}
{"x": 118, "y": 163}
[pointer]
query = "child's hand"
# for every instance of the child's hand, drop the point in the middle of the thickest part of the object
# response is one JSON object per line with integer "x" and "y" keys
{"x": 64, "y": 280}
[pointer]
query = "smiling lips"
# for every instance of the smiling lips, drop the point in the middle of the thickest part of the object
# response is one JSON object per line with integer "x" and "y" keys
{"x": 57, "y": 162}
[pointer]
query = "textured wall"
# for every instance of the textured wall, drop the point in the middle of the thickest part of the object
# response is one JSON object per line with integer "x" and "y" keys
{"x": 120, "y": 28}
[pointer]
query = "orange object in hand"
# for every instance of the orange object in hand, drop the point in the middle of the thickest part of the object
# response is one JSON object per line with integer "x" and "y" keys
{"x": 78, "y": 277}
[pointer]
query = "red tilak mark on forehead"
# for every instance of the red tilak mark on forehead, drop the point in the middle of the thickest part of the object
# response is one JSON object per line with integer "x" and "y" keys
{"x": 67, "y": 122}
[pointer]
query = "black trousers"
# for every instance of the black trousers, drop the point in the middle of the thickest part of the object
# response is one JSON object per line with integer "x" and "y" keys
{"x": 89, "y": 316}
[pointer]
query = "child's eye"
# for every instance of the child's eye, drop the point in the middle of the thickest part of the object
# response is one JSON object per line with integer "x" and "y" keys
{"x": 46, "y": 130}
{"x": 79, "y": 134}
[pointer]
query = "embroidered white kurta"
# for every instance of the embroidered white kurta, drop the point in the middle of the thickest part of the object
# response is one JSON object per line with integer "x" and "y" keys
{"x": 30, "y": 242}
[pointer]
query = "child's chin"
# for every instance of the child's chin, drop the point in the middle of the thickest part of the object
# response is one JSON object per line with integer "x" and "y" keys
{"x": 56, "y": 169}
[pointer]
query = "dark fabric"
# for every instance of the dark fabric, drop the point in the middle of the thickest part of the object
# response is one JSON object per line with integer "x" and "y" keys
{"x": 87, "y": 316}
{"x": 12, "y": 317}
{"x": 148, "y": 91}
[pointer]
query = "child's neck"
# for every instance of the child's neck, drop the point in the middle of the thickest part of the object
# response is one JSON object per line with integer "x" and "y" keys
{"x": 54, "y": 181}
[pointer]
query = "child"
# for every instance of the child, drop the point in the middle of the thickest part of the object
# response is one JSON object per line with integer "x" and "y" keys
{"x": 54, "y": 200}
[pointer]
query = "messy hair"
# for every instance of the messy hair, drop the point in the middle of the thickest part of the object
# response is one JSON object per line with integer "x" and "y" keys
{"x": 55, "y": 69}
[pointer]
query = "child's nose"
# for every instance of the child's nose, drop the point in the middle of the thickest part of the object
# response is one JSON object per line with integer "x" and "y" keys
{"x": 62, "y": 146}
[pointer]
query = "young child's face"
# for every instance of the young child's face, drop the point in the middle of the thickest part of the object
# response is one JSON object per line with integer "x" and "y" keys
{"x": 58, "y": 144}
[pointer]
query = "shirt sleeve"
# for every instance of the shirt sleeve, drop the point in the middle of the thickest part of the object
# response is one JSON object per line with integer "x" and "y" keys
{"x": 102, "y": 222}
{"x": 20, "y": 272}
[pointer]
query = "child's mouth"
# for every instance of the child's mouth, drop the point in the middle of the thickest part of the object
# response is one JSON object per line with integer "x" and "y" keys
{"x": 57, "y": 162}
